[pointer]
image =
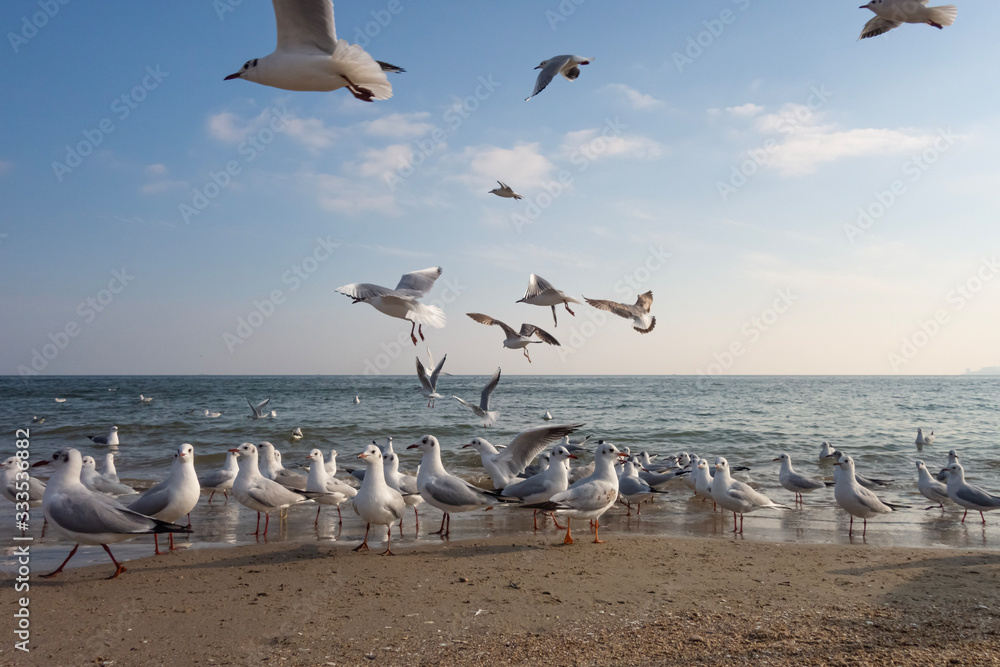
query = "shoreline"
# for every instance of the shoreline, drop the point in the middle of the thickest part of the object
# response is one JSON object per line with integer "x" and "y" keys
{"x": 523, "y": 599}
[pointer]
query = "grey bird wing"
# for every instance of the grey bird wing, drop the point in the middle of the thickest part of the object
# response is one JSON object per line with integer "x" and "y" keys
{"x": 655, "y": 479}
{"x": 305, "y": 25}
{"x": 95, "y": 514}
{"x": 450, "y": 490}
{"x": 486, "y": 319}
{"x": 154, "y": 501}
{"x": 548, "y": 72}
{"x": 366, "y": 291}
{"x": 593, "y": 495}
{"x": 804, "y": 482}
{"x": 425, "y": 381}
{"x": 877, "y": 26}
{"x": 407, "y": 484}
{"x": 537, "y": 285}
{"x": 619, "y": 309}
{"x": 628, "y": 486}
{"x": 975, "y": 495}
{"x": 475, "y": 408}
{"x": 528, "y": 330}
{"x": 484, "y": 398}
{"x": 871, "y": 501}
{"x": 273, "y": 494}
{"x": 529, "y": 443}
{"x": 418, "y": 283}
{"x": 527, "y": 487}
{"x": 215, "y": 478}
{"x": 437, "y": 372}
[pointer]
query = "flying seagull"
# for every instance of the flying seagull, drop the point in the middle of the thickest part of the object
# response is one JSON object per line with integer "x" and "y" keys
{"x": 568, "y": 66}
{"x": 505, "y": 191}
{"x": 428, "y": 383}
{"x": 540, "y": 292}
{"x": 517, "y": 340}
{"x": 642, "y": 321}
{"x": 482, "y": 410}
{"x": 402, "y": 302}
{"x": 891, "y": 14}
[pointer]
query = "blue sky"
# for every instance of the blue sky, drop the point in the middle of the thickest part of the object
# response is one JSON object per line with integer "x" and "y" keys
{"x": 798, "y": 201}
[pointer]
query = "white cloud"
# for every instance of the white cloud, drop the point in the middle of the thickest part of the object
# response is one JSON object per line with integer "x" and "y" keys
{"x": 399, "y": 126}
{"x": 342, "y": 195}
{"x": 747, "y": 110}
{"x": 230, "y": 128}
{"x": 594, "y": 144}
{"x": 310, "y": 132}
{"x": 640, "y": 101}
{"x": 160, "y": 182}
{"x": 523, "y": 164}
{"x": 381, "y": 162}
{"x": 155, "y": 169}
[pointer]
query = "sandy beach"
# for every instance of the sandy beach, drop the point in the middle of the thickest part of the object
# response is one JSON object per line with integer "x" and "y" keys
{"x": 524, "y": 600}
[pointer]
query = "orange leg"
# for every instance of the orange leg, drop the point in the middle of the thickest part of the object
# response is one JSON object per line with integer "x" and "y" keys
{"x": 569, "y": 538}
{"x": 364, "y": 545}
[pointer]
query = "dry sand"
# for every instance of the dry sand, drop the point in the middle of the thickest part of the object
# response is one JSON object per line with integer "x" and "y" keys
{"x": 524, "y": 600}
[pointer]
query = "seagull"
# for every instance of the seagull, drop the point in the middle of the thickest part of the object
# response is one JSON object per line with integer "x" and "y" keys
{"x": 856, "y": 499}
{"x": 357, "y": 399}
{"x": 736, "y": 496}
{"x": 826, "y": 452}
{"x": 517, "y": 340}
{"x": 590, "y": 497}
{"x": 96, "y": 482}
{"x": 891, "y": 14}
{"x": 60, "y": 400}
{"x": 296, "y": 433}
{"x": 86, "y": 517}
{"x": 259, "y": 493}
{"x": 110, "y": 439}
{"x": 221, "y": 480}
{"x": 110, "y": 472}
{"x": 968, "y": 496}
{"x": 209, "y": 413}
{"x": 703, "y": 482}
{"x": 445, "y": 491}
{"x": 310, "y": 57}
{"x": 796, "y": 483}
{"x": 541, "y": 487}
{"x": 504, "y": 466}
{"x": 37, "y": 420}
{"x": 258, "y": 410}
{"x": 568, "y": 66}
{"x": 402, "y": 302}
{"x": 924, "y": 439}
{"x": 272, "y": 469}
{"x": 633, "y": 489}
{"x": 482, "y": 410}
{"x": 547, "y": 416}
{"x": 540, "y": 292}
{"x": 320, "y": 481}
{"x": 11, "y": 486}
{"x": 933, "y": 490}
{"x": 505, "y": 191}
{"x": 428, "y": 384}
{"x": 331, "y": 463}
{"x": 405, "y": 484}
{"x": 145, "y": 399}
{"x": 377, "y": 502}
{"x": 868, "y": 483}
{"x": 642, "y": 321}
{"x": 942, "y": 476}
{"x": 175, "y": 496}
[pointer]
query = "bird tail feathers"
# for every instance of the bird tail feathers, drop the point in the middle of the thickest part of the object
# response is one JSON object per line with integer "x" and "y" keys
{"x": 943, "y": 15}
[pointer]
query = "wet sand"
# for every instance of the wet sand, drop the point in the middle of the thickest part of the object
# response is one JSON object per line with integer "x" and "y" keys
{"x": 524, "y": 599}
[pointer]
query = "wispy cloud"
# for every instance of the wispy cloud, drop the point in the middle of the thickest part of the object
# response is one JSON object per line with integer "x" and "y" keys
{"x": 399, "y": 125}
{"x": 637, "y": 100}
{"x": 747, "y": 110}
{"x": 343, "y": 195}
{"x": 594, "y": 145}
{"x": 522, "y": 166}
{"x": 160, "y": 180}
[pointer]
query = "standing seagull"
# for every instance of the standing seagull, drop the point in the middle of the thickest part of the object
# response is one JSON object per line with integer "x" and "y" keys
{"x": 517, "y": 340}
{"x": 258, "y": 410}
{"x": 173, "y": 497}
{"x": 540, "y": 292}
{"x": 642, "y": 321}
{"x": 86, "y": 517}
{"x": 259, "y": 493}
{"x": 968, "y": 496}
{"x": 568, "y": 66}
{"x": 891, "y": 14}
{"x": 405, "y": 484}
{"x": 856, "y": 499}
{"x": 320, "y": 481}
{"x": 377, "y": 502}
{"x": 482, "y": 410}
{"x": 111, "y": 439}
{"x": 933, "y": 490}
{"x": 402, "y": 302}
{"x": 795, "y": 482}
{"x": 270, "y": 458}
{"x": 541, "y": 487}
{"x": 428, "y": 383}
{"x": 505, "y": 191}
{"x": 221, "y": 480}
{"x": 10, "y": 486}
{"x": 737, "y": 497}
{"x": 445, "y": 491}
{"x": 310, "y": 57}
{"x": 504, "y": 466}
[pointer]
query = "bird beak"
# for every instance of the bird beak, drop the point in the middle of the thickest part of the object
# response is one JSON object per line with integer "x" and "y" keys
{"x": 622, "y": 454}
{"x": 778, "y": 459}
{"x": 837, "y": 463}
{"x": 235, "y": 451}
{"x": 232, "y": 76}
{"x": 362, "y": 455}
{"x": 468, "y": 445}
{"x": 413, "y": 446}
{"x": 718, "y": 466}
{"x": 539, "y": 67}
{"x": 44, "y": 462}
{"x": 571, "y": 457}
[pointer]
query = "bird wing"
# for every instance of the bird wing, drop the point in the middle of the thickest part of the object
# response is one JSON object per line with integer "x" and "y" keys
{"x": 619, "y": 309}
{"x": 486, "y": 319}
{"x": 437, "y": 372}
{"x": 305, "y": 25}
{"x": 871, "y": 501}
{"x": 484, "y": 398}
{"x": 526, "y": 487}
{"x": 95, "y": 514}
{"x": 153, "y": 501}
{"x": 804, "y": 482}
{"x": 528, "y": 330}
{"x": 877, "y": 26}
{"x": 537, "y": 285}
{"x": 365, "y": 291}
{"x": 418, "y": 283}
{"x": 746, "y": 493}
{"x": 425, "y": 381}
{"x": 591, "y": 496}
{"x": 548, "y": 72}
{"x": 528, "y": 444}
{"x": 973, "y": 494}
{"x": 271, "y": 494}
{"x": 215, "y": 478}
{"x": 450, "y": 490}
{"x": 645, "y": 301}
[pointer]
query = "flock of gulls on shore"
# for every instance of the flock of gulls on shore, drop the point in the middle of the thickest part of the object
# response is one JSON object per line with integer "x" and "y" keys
{"x": 91, "y": 507}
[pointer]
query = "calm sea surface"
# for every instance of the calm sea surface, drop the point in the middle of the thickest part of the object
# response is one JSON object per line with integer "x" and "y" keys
{"x": 749, "y": 420}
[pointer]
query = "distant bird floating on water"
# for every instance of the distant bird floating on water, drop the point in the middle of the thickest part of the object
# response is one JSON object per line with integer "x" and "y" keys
{"x": 642, "y": 321}
{"x": 310, "y": 57}
{"x": 891, "y": 14}
{"x": 547, "y": 416}
{"x": 505, "y": 191}
{"x": 357, "y": 399}
{"x": 540, "y": 292}
{"x": 924, "y": 439}
{"x": 568, "y": 66}
{"x": 517, "y": 340}
{"x": 110, "y": 439}
{"x": 37, "y": 420}
{"x": 402, "y": 302}
{"x": 145, "y": 399}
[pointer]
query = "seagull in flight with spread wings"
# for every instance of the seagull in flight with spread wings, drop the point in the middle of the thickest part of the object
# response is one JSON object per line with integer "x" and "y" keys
{"x": 642, "y": 321}
{"x": 568, "y": 66}
{"x": 517, "y": 339}
{"x": 402, "y": 302}
{"x": 541, "y": 292}
{"x": 482, "y": 410}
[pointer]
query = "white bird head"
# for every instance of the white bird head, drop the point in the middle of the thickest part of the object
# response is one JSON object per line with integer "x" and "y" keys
{"x": 920, "y": 465}
{"x": 721, "y": 463}
{"x": 955, "y": 469}
{"x": 246, "y": 452}
{"x": 846, "y": 463}
{"x": 428, "y": 443}
{"x": 315, "y": 455}
{"x": 89, "y": 463}
{"x": 248, "y": 71}
{"x": 783, "y": 457}
{"x": 372, "y": 456}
